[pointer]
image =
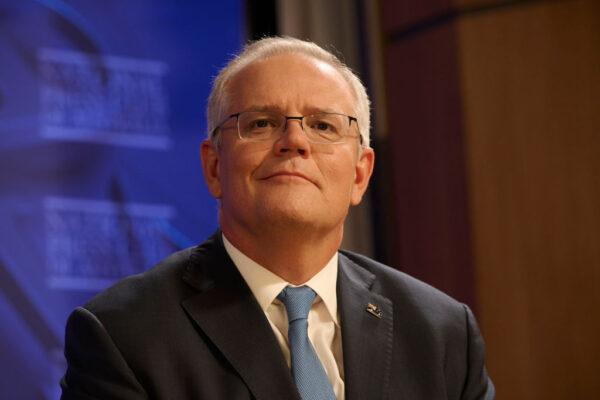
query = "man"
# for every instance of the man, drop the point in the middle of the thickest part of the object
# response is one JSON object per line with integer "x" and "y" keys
{"x": 268, "y": 308}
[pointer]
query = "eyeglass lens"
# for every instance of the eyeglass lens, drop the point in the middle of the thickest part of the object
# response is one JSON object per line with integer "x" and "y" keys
{"x": 321, "y": 127}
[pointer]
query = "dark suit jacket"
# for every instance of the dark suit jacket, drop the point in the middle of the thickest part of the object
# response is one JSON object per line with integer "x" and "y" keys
{"x": 190, "y": 328}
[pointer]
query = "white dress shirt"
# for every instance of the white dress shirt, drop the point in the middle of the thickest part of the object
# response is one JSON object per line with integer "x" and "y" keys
{"x": 323, "y": 322}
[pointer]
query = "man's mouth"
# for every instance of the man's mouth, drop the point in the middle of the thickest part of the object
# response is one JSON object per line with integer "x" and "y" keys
{"x": 288, "y": 176}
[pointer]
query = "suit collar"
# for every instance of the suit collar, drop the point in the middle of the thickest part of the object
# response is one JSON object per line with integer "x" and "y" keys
{"x": 367, "y": 332}
{"x": 265, "y": 285}
{"x": 225, "y": 310}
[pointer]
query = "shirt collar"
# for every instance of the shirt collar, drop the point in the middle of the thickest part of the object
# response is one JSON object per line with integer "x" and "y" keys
{"x": 265, "y": 285}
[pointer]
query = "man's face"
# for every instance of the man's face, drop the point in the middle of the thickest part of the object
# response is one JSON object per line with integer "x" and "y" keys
{"x": 287, "y": 182}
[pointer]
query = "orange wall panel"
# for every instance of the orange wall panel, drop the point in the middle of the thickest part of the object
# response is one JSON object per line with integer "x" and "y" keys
{"x": 531, "y": 108}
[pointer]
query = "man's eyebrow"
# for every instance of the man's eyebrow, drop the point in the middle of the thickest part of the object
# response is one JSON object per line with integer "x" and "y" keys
{"x": 265, "y": 107}
{"x": 279, "y": 109}
{"x": 326, "y": 110}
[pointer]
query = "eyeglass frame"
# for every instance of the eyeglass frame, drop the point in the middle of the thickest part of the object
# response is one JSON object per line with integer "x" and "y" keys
{"x": 287, "y": 118}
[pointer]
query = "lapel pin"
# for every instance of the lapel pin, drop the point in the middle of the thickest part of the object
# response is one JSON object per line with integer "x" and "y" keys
{"x": 374, "y": 310}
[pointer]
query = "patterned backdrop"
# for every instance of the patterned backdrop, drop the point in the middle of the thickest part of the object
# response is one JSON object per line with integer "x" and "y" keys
{"x": 101, "y": 116}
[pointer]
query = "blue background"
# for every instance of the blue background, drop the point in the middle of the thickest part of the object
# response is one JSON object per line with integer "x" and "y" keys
{"x": 101, "y": 117}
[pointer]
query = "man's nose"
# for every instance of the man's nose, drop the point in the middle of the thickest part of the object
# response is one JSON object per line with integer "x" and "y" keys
{"x": 293, "y": 138}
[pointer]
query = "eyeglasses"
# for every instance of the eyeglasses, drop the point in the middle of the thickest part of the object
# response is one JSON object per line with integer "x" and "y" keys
{"x": 331, "y": 128}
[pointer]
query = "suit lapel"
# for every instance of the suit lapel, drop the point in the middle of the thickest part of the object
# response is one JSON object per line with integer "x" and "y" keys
{"x": 367, "y": 332}
{"x": 227, "y": 312}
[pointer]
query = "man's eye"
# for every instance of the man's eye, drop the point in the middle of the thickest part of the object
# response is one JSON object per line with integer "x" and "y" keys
{"x": 261, "y": 124}
{"x": 323, "y": 127}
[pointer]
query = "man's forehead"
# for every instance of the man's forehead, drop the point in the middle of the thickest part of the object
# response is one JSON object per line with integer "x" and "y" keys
{"x": 273, "y": 81}
{"x": 288, "y": 66}
{"x": 291, "y": 58}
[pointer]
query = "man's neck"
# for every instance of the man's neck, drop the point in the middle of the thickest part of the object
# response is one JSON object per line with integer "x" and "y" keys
{"x": 294, "y": 256}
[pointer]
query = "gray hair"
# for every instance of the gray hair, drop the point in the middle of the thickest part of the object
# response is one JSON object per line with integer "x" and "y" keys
{"x": 271, "y": 46}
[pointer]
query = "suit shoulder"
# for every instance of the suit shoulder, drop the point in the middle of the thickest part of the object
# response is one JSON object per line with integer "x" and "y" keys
{"x": 394, "y": 283}
{"x": 142, "y": 290}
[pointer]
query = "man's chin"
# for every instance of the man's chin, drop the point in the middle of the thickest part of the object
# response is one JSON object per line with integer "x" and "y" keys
{"x": 300, "y": 195}
{"x": 286, "y": 211}
{"x": 297, "y": 217}
{"x": 281, "y": 212}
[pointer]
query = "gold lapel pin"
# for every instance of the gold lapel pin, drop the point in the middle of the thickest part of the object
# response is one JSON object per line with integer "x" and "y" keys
{"x": 374, "y": 310}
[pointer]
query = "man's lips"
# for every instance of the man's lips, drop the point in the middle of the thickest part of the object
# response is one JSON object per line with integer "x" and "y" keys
{"x": 288, "y": 174}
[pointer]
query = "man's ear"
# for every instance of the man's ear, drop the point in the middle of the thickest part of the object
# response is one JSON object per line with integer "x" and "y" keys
{"x": 364, "y": 169}
{"x": 209, "y": 157}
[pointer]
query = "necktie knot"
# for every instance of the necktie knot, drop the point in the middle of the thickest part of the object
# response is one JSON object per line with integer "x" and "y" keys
{"x": 297, "y": 301}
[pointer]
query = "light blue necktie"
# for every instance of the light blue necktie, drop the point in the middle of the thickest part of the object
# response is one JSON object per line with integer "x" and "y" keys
{"x": 307, "y": 371}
